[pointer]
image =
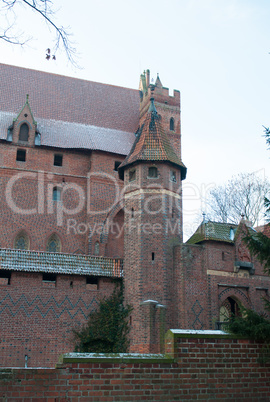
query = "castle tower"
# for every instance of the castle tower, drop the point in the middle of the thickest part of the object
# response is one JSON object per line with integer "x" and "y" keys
{"x": 152, "y": 174}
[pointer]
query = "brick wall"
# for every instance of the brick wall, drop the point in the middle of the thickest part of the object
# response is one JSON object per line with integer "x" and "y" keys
{"x": 201, "y": 367}
{"x": 206, "y": 277}
{"x": 37, "y": 316}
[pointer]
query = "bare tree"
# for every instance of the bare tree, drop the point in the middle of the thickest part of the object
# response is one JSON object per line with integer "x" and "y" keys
{"x": 9, "y": 10}
{"x": 243, "y": 195}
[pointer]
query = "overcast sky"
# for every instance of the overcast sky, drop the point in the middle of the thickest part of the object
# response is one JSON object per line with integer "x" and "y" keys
{"x": 216, "y": 52}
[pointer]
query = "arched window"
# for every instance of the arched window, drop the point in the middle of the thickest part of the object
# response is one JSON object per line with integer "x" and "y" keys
{"x": 24, "y": 132}
{"x": 21, "y": 241}
{"x": 152, "y": 172}
{"x": 172, "y": 124}
{"x": 56, "y": 194}
{"x": 53, "y": 244}
{"x": 228, "y": 309}
{"x": 96, "y": 248}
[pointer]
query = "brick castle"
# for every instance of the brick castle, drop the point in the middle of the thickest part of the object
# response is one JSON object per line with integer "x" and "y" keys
{"x": 91, "y": 194}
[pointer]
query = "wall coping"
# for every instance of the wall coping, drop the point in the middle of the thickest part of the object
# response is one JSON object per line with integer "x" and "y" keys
{"x": 114, "y": 358}
{"x": 199, "y": 333}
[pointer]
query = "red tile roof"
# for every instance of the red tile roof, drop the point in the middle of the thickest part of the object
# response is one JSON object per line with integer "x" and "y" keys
{"x": 69, "y": 99}
{"x": 152, "y": 144}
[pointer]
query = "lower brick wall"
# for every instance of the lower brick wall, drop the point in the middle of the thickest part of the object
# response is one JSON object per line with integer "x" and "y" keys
{"x": 198, "y": 366}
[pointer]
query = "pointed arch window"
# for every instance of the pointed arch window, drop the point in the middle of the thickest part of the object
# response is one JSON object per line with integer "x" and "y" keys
{"x": 21, "y": 241}
{"x": 53, "y": 244}
{"x": 24, "y": 132}
{"x": 172, "y": 124}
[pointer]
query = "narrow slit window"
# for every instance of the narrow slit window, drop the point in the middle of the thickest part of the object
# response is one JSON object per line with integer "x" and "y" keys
{"x": 21, "y": 155}
{"x": 172, "y": 124}
{"x": 96, "y": 248}
{"x": 153, "y": 256}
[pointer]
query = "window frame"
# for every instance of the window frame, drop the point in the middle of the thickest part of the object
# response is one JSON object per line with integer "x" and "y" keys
{"x": 58, "y": 163}
{"x": 22, "y": 152}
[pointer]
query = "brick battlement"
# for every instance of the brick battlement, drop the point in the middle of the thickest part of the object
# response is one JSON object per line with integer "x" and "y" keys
{"x": 59, "y": 263}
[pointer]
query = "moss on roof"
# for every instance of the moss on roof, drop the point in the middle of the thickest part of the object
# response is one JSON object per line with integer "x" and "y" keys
{"x": 215, "y": 231}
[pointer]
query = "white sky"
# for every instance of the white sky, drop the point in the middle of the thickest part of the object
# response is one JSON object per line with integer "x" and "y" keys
{"x": 216, "y": 52}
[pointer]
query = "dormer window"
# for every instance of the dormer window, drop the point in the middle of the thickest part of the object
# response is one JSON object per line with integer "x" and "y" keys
{"x": 152, "y": 172}
{"x": 172, "y": 124}
{"x": 232, "y": 233}
{"x": 24, "y": 132}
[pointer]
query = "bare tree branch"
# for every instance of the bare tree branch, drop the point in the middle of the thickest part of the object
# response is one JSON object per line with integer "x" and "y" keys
{"x": 42, "y": 8}
{"x": 244, "y": 195}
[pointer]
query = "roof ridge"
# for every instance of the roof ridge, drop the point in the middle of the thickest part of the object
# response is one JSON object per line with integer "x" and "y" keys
{"x": 68, "y": 76}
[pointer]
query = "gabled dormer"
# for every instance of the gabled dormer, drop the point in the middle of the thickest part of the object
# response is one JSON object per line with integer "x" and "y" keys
{"x": 23, "y": 131}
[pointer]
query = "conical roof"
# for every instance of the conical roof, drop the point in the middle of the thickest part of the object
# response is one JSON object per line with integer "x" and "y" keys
{"x": 152, "y": 144}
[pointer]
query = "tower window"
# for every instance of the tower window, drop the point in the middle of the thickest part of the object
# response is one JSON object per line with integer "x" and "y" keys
{"x": 152, "y": 172}
{"x": 21, "y": 155}
{"x": 153, "y": 256}
{"x": 56, "y": 194}
{"x": 58, "y": 160}
{"x": 173, "y": 176}
{"x": 24, "y": 132}
{"x": 132, "y": 175}
{"x": 172, "y": 124}
{"x": 132, "y": 212}
{"x": 116, "y": 165}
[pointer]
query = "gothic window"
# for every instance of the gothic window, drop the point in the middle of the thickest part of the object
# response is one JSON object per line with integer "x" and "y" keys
{"x": 172, "y": 124}
{"x": 152, "y": 172}
{"x": 21, "y": 155}
{"x": 132, "y": 175}
{"x": 56, "y": 194}
{"x": 21, "y": 241}
{"x": 53, "y": 244}
{"x": 24, "y": 132}
{"x": 96, "y": 248}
